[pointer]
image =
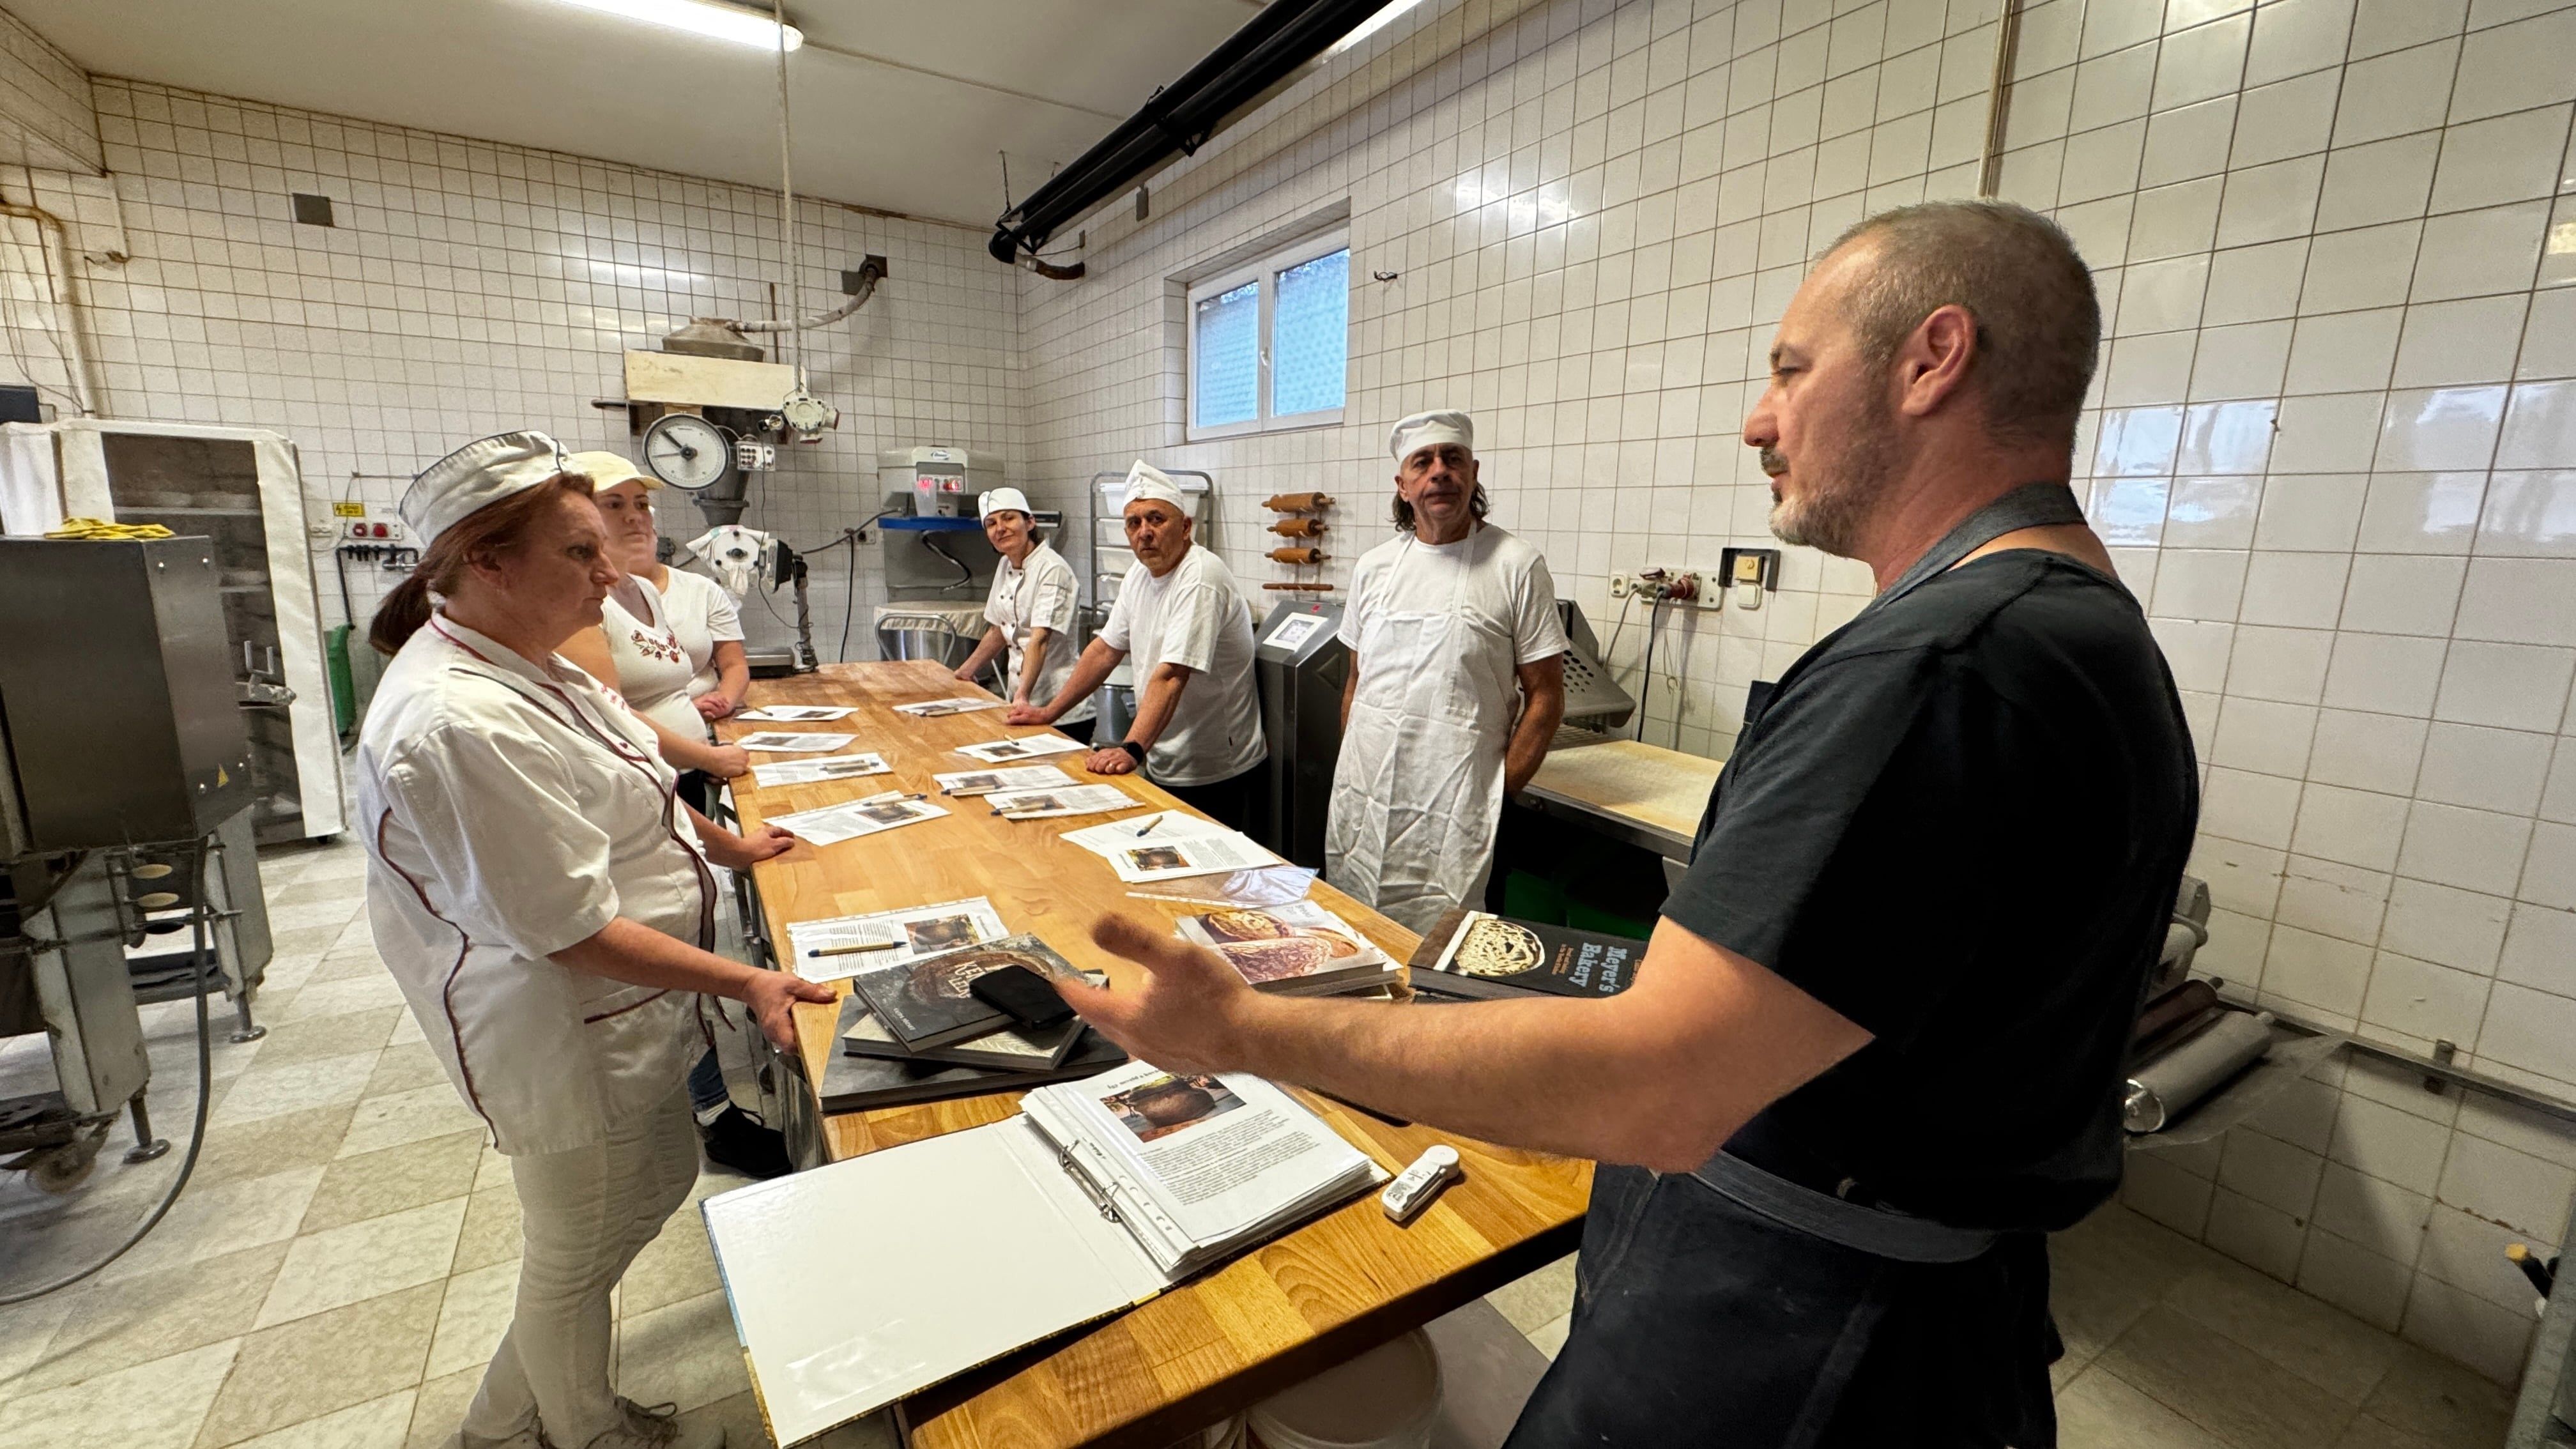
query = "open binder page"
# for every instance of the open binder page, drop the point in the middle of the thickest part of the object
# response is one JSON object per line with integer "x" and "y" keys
{"x": 856, "y": 1284}
{"x": 1199, "y": 1165}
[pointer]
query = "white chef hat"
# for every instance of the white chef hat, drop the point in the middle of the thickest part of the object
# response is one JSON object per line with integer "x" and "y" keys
{"x": 994, "y": 500}
{"x": 1144, "y": 481}
{"x": 1423, "y": 430}
{"x": 476, "y": 476}
{"x": 606, "y": 470}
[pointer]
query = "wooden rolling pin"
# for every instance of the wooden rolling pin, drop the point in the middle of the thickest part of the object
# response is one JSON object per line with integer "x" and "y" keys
{"x": 1298, "y": 502}
{"x": 1300, "y": 588}
{"x": 1297, "y": 555}
{"x": 1298, "y": 528}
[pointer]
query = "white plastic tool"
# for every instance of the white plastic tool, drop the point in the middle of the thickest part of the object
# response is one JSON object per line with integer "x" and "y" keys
{"x": 1415, "y": 1187}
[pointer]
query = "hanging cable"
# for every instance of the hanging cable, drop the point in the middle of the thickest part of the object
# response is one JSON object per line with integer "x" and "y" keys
{"x": 787, "y": 192}
{"x": 202, "y": 949}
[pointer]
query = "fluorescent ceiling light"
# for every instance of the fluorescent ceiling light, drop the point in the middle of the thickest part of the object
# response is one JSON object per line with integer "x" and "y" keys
{"x": 1372, "y": 25}
{"x": 704, "y": 17}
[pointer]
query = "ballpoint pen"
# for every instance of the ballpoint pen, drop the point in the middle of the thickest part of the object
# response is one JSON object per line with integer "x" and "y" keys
{"x": 1150, "y": 824}
{"x": 851, "y": 950}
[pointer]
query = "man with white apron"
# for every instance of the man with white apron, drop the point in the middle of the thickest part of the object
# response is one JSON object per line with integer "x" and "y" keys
{"x": 1457, "y": 683}
{"x": 1875, "y": 1047}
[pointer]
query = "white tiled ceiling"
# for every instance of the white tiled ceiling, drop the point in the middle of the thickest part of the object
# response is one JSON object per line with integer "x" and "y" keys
{"x": 904, "y": 105}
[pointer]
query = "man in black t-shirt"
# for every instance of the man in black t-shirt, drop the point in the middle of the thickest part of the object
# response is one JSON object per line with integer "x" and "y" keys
{"x": 1874, "y": 1049}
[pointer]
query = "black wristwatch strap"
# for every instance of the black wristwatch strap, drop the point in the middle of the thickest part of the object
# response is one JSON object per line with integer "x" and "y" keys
{"x": 1134, "y": 750}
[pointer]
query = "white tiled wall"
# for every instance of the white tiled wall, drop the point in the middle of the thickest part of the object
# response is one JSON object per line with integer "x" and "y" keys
{"x": 46, "y": 115}
{"x": 2333, "y": 443}
{"x": 470, "y": 287}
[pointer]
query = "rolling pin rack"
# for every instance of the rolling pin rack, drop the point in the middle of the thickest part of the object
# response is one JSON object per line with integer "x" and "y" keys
{"x": 1302, "y": 525}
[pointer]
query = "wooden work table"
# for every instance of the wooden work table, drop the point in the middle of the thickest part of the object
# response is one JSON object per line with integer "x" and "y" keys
{"x": 1643, "y": 794}
{"x": 1336, "y": 1287}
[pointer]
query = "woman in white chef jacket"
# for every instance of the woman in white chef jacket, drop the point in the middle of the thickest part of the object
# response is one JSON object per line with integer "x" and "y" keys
{"x": 1031, "y": 611}
{"x": 669, "y": 643}
{"x": 544, "y": 901}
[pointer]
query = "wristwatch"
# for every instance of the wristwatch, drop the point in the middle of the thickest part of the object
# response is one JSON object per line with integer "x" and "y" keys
{"x": 1134, "y": 750}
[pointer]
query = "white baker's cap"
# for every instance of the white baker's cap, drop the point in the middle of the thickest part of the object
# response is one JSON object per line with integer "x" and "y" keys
{"x": 476, "y": 476}
{"x": 1423, "y": 430}
{"x": 606, "y": 470}
{"x": 993, "y": 500}
{"x": 1144, "y": 481}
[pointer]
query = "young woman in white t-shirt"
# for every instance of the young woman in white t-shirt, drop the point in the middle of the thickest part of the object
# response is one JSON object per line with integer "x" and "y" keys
{"x": 670, "y": 643}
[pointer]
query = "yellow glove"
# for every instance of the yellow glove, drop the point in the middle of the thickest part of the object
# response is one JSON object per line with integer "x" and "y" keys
{"x": 99, "y": 529}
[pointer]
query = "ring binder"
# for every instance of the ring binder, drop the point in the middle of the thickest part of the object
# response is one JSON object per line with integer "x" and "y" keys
{"x": 1082, "y": 1179}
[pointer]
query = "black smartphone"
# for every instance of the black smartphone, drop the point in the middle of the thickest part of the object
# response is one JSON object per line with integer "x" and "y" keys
{"x": 1022, "y": 995}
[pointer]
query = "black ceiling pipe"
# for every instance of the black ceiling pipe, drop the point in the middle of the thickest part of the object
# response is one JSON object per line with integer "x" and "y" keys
{"x": 1181, "y": 116}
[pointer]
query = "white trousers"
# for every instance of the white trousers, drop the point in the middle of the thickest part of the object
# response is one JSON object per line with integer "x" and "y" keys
{"x": 585, "y": 1214}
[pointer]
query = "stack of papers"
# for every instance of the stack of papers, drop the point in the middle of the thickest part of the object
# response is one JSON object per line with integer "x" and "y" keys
{"x": 1026, "y": 747}
{"x": 793, "y": 742}
{"x": 1171, "y": 844}
{"x": 933, "y": 708}
{"x": 810, "y": 772}
{"x": 1074, "y": 800}
{"x": 835, "y": 823}
{"x": 985, "y": 782}
{"x": 813, "y": 946}
{"x": 795, "y": 713}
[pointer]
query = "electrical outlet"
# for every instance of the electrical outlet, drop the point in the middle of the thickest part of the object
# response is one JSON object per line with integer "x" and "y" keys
{"x": 1620, "y": 584}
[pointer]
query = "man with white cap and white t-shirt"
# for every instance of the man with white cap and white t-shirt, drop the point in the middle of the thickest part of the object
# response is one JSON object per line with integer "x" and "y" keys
{"x": 1197, "y": 731}
{"x": 1457, "y": 683}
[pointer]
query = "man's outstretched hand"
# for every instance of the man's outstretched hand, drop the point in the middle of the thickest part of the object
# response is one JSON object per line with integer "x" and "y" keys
{"x": 1190, "y": 1012}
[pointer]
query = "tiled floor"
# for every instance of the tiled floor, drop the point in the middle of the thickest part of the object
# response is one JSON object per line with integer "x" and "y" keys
{"x": 343, "y": 1261}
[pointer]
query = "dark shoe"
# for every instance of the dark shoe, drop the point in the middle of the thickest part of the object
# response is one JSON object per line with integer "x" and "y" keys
{"x": 737, "y": 1140}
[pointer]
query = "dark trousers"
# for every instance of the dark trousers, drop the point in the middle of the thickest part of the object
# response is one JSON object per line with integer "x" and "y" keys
{"x": 1234, "y": 802}
{"x": 1700, "y": 1322}
{"x": 1079, "y": 730}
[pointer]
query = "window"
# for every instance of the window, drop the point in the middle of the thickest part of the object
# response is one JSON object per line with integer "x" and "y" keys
{"x": 1269, "y": 342}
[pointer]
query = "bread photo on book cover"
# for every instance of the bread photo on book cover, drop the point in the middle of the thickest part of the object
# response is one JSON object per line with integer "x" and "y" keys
{"x": 1477, "y": 954}
{"x": 1299, "y": 941}
{"x": 928, "y": 1002}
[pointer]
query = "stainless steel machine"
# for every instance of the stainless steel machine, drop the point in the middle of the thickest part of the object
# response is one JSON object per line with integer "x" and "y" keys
{"x": 1301, "y": 666}
{"x": 125, "y": 772}
{"x": 1592, "y": 700}
{"x": 242, "y": 491}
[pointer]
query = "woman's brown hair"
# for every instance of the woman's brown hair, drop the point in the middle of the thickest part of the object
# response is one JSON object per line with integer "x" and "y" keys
{"x": 488, "y": 531}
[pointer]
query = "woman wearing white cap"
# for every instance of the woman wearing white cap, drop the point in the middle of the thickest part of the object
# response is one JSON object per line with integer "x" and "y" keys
{"x": 669, "y": 643}
{"x": 544, "y": 901}
{"x": 1031, "y": 612}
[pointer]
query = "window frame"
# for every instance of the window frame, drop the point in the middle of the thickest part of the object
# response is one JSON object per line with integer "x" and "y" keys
{"x": 1265, "y": 270}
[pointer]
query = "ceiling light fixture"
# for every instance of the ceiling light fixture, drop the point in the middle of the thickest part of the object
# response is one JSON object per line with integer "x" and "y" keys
{"x": 702, "y": 17}
{"x": 1372, "y": 25}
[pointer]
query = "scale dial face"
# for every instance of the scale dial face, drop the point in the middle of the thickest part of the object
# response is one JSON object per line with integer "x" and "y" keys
{"x": 686, "y": 451}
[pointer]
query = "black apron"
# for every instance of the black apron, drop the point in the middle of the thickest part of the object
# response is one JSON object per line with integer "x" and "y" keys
{"x": 1730, "y": 1306}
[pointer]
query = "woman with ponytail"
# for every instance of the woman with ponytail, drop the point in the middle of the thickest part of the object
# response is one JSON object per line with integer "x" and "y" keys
{"x": 544, "y": 900}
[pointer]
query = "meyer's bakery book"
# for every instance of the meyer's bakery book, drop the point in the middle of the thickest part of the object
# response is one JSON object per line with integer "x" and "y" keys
{"x": 861, "y": 1083}
{"x": 1298, "y": 945}
{"x": 1016, "y": 1049}
{"x": 1477, "y": 954}
{"x": 926, "y": 1003}
{"x": 955, "y": 1250}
